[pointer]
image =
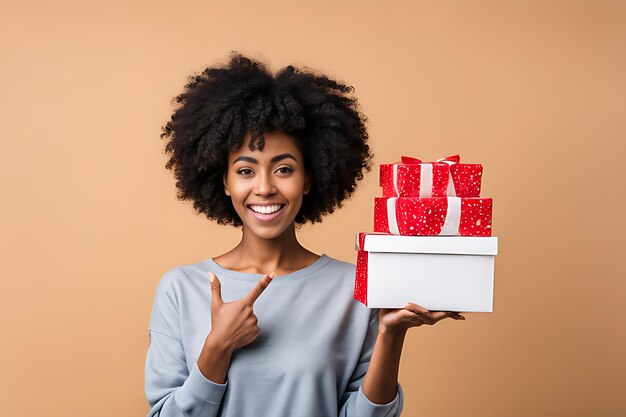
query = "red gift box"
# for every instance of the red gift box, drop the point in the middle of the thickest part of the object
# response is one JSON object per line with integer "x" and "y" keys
{"x": 445, "y": 177}
{"x": 435, "y": 216}
{"x": 410, "y": 178}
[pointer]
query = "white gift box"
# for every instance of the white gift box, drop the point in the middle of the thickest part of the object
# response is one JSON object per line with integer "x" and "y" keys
{"x": 440, "y": 273}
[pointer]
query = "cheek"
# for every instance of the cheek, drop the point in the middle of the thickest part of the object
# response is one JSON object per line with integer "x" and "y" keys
{"x": 295, "y": 189}
{"x": 238, "y": 192}
{"x": 297, "y": 197}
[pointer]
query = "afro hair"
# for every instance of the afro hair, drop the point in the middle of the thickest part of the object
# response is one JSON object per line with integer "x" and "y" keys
{"x": 220, "y": 106}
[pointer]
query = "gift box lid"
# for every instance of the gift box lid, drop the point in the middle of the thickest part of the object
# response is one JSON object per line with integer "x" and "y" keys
{"x": 461, "y": 245}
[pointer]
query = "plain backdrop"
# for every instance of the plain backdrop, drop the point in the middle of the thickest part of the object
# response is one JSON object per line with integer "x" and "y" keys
{"x": 533, "y": 90}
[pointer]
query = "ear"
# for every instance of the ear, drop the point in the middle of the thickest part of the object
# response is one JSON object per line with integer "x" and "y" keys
{"x": 225, "y": 185}
{"x": 307, "y": 182}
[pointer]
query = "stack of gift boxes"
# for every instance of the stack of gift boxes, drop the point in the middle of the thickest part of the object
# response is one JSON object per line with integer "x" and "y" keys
{"x": 432, "y": 242}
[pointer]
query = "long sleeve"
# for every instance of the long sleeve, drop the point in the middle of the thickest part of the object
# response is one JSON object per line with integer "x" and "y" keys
{"x": 171, "y": 390}
{"x": 353, "y": 402}
{"x": 295, "y": 367}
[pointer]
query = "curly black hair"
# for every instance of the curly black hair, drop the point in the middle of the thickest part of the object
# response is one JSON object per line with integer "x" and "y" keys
{"x": 224, "y": 103}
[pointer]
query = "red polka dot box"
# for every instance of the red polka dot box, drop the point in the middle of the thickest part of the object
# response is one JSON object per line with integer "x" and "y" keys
{"x": 446, "y": 177}
{"x": 433, "y": 216}
{"x": 440, "y": 273}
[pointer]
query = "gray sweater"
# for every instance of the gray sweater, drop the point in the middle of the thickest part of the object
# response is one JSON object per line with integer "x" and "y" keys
{"x": 309, "y": 360}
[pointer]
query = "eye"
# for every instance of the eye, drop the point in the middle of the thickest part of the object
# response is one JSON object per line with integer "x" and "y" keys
{"x": 244, "y": 171}
{"x": 284, "y": 170}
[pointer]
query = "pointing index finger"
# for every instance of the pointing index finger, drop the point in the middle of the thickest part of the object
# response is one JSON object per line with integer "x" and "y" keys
{"x": 260, "y": 286}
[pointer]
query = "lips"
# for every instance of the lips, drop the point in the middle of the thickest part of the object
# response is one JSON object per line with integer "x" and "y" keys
{"x": 265, "y": 208}
{"x": 266, "y": 217}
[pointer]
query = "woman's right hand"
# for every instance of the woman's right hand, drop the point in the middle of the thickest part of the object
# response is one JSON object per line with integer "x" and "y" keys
{"x": 233, "y": 324}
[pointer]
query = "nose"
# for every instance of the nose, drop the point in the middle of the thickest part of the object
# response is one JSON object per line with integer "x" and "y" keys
{"x": 264, "y": 184}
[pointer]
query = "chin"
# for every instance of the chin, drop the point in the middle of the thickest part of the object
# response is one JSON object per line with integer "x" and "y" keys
{"x": 268, "y": 233}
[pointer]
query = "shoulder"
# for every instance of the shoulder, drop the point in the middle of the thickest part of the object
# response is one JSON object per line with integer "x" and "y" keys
{"x": 178, "y": 279}
{"x": 171, "y": 295}
{"x": 338, "y": 276}
{"x": 339, "y": 269}
{"x": 341, "y": 266}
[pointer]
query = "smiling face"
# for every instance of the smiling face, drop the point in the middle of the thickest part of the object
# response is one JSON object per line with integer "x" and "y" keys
{"x": 266, "y": 187}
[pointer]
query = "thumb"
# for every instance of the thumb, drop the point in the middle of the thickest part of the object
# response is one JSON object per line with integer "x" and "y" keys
{"x": 216, "y": 289}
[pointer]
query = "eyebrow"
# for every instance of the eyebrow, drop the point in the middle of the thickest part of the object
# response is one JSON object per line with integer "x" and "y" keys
{"x": 274, "y": 159}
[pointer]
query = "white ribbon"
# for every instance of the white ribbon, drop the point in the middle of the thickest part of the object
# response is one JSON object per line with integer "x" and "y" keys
{"x": 426, "y": 179}
{"x": 453, "y": 217}
{"x": 392, "y": 221}
{"x": 450, "y": 225}
{"x": 395, "y": 178}
{"x": 450, "y": 191}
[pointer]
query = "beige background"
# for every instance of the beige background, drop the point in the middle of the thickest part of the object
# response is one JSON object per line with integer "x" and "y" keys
{"x": 534, "y": 90}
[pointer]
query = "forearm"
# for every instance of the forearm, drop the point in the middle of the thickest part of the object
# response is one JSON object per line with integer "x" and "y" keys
{"x": 381, "y": 380}
{"x": 214, "y": 361}
{"x": 174, "y": 390}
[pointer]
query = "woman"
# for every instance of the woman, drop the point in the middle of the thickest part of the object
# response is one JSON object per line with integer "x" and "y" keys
{"x": 270, "y": 328}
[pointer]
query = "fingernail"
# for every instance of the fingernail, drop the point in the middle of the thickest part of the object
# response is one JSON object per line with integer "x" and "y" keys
{"x": 272, "y": 275}
{"x": 211, "y": 277}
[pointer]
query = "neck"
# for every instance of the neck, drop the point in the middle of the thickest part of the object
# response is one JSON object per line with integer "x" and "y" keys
{"x": 283, "y": 253}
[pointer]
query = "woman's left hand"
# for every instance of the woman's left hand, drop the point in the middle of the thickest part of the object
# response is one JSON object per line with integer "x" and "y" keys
{"x": 412, "y": 315}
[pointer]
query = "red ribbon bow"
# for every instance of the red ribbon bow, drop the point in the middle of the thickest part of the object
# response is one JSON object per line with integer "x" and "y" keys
{"x": 410, "y": 160}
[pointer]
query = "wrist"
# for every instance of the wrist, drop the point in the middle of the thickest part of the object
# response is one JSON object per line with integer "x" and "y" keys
{"x": 214, "y": 361}
{"x": 216, "y": 346}
{"x": 390, "y": 334}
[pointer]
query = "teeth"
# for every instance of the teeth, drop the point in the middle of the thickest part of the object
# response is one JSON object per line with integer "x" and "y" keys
{"x": 266, "y": 209}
